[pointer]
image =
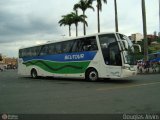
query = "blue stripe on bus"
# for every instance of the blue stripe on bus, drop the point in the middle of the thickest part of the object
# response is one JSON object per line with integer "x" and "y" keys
{"x": 67, "y": 57}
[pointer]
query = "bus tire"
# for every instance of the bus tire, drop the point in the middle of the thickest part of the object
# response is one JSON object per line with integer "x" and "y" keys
{"x": 91, "y": 75}
{"x": 34, "y": 73}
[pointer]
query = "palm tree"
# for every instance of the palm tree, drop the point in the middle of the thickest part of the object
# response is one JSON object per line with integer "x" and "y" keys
{"x": 116, "y": 16}
{"x": 84, "y": 5}
{"x": 66, "y": 20}
{"x": 78, "y": 18}
{"x": 99, "y": 8}
{"x": 145, "y": 31}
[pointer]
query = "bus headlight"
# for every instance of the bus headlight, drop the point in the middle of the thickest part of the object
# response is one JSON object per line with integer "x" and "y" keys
{"x": 126, "y": 67}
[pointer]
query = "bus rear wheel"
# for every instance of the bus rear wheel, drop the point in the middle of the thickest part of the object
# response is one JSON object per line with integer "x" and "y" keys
{"x": 34, "y": 73}
{"x": 92, "y": 75}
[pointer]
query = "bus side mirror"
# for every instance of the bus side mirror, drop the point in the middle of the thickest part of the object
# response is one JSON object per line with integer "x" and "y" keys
{"x": 139, "y": 47}
{"x": 125, "y": 43}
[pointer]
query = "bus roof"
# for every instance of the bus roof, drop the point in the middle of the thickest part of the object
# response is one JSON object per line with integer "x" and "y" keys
{"x": 70, "y": 38}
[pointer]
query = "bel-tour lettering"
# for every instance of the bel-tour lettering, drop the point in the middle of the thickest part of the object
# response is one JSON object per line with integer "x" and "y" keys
{"x": 74, "y": 57}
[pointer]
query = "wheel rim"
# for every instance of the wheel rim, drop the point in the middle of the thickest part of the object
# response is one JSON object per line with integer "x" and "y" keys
{"x": 34, "y": 74}
{"x": 93, "y": 76}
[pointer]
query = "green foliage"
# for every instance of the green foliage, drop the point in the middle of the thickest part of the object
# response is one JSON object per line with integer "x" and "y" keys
{"x": 78, "y": 18}
{"x": 99, "y": 4}
{"x": 139, "y": 56}
{"x": 151, "y": 49}
{"x": 66, "y": 20}
{"x": 158, "y": 40}
{"x": 83, "y": 5}
{"x": 72, "y": 18}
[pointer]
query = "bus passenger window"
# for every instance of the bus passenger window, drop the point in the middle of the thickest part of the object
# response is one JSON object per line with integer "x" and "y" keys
{"x": 51, "y": 49}
{"x": 90, "y": 44}
{"x": 44, "y": 50}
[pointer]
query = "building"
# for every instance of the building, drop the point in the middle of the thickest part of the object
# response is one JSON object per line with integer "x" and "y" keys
{"x": 137, "y": 37}
{"x": 9, "y": 62}
{"x": 151, "y": 39}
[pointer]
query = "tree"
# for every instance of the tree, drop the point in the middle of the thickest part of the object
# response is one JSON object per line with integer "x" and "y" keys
{"x": 78, "y": 18}
{"x": 116, "y": 16}
{"x": 158, "y": 40}
{"x": 99, "y": 8}
{"x": 84, "y": 5}
{"x": 66, "y": 20}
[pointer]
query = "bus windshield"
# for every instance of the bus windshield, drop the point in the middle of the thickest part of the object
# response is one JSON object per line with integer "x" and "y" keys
{"x": 129, "y": 56}
{"x": 110, "y": 49}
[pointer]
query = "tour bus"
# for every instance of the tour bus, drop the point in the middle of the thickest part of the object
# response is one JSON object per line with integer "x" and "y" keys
{"x": 102, "y": 55}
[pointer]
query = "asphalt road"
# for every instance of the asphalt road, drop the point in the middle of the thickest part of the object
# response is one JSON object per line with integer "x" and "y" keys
{"x": 140, "y": 94}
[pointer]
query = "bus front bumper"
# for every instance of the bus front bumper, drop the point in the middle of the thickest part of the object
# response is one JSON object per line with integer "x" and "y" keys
{"x": 128, "y": 72}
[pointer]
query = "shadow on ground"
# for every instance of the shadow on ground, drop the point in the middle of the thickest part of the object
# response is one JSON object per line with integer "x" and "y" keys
{"x": 67, "y": 80}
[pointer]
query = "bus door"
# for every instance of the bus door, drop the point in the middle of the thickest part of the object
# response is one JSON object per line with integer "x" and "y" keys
{"x": 114, "y": 67}
{"x": 112, "y": 55}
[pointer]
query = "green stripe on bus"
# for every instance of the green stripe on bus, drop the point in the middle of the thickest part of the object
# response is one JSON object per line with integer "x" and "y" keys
{"x": 60, "y": 68}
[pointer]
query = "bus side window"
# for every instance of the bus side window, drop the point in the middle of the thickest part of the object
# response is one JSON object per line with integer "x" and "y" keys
{"x": 51, "y": 49}
{"x": 23, "y": 52}
{"x": 80, "y": 47}
{"x": 44, "y": 50}
{"x": 77, "y": 47}
{"x": 28, "y": 52}
{"x": 38, "y": 50}
{"x": 67, "y": 46}
{"x": 91, "y": 43}
{"x": 85, "y": 44}
{"x": 74, "y": 46}
{"x": 58, "y": 48}
{"x": 33, "y": 51}
{"x": 20, "y": 54}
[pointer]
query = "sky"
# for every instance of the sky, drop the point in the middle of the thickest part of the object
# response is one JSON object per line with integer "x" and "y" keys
{"x": 30, "y": 22}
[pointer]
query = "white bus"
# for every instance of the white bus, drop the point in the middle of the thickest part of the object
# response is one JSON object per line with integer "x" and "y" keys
{"x": 102, "y": 55}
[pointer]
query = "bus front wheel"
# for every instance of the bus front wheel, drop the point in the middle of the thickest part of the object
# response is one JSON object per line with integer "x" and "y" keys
{"x": 34, "y": 73}
{"x": 92, "y": 75}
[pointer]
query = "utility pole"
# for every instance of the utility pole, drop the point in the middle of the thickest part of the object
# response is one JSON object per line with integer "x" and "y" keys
{"x": 116, "y": 16}
{"x": 159, "y": 16}
{"x": 98, "y": 19}
{"x": 144, "y": 31}
{"x": 1, "y": 57}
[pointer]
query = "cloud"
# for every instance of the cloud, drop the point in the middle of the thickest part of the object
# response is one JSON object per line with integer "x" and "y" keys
{"x": 28, "y": 22}
{"x": 13, "y": 26}
{"x": 23, "y": 22}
